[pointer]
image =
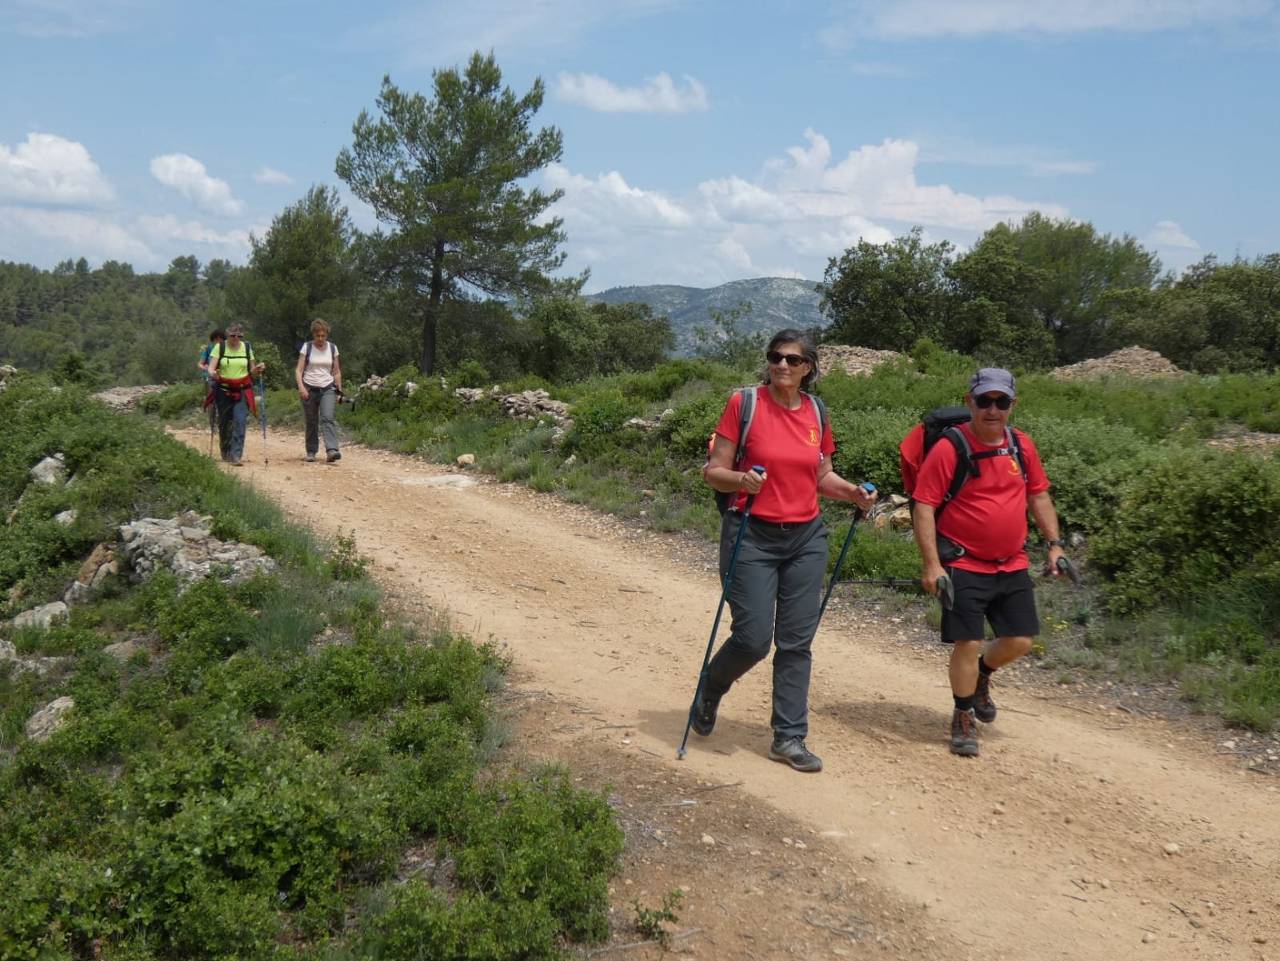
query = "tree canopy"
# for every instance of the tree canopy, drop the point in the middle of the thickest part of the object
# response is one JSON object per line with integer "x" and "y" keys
{"x": 444, "y": 176}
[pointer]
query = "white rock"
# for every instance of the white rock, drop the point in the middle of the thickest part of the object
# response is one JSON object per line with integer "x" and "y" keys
{"x": 50, "y": 471}
{"x": 43, "y": 616}
{"x": 1147, "y": 937}
{"x": 42, "y": 724}
{"x": 66, "y": 518}
{"x": 708, "y": 840}
{"x": 466, "y": 460}
{"x": 1171, "y": 849}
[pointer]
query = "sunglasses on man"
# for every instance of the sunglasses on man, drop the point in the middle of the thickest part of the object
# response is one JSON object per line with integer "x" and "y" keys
{"x": 1002, "y": 401}
{"x": 792, "y": 360}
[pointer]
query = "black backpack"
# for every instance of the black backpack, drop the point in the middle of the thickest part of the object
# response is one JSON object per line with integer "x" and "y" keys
{"x": 248, "y": 354}
{"x": 747, "y": 412}
{"x": 945, "y": 422}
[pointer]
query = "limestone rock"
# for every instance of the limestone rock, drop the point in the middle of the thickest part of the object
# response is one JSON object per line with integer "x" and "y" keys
{"x": 185, "y": 546}
{"x": 65, "y": 518}
{"x": 44, "y": 722}
{"x": 51, "y": 471}
{"x": 1129, "y": 362}
{"x": 466, "y": 460}
{"x": 42, "y": 617}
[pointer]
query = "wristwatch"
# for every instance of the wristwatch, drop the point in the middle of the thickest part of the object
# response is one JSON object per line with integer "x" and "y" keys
{"x": 1055, "y": 542}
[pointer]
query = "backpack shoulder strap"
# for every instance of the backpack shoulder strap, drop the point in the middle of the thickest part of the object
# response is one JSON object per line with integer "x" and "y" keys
{"x": 746, "y": 413}
{"x": 820, "y": 409}
{"x": 965, "y": 464}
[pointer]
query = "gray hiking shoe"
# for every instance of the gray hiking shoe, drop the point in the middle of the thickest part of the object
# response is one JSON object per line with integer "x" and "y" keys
{"x": 984, "y": 709}
{"x": 791, "y": 750}
{"x": 704, "y": 714}
{"x": 964, "y": 733}
{"x": 332, "y": 456}
{"x": 310, "y": 458}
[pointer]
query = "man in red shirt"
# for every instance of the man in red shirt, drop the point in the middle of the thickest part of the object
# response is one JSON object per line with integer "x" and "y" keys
{"x": 979, "y": 541}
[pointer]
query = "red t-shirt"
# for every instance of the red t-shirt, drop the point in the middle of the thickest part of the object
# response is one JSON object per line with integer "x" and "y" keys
{"x": 989, "y": 515}
{"x": 789, "y": 444}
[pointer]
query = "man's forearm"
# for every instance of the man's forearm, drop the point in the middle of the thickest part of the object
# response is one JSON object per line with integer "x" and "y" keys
{"x": 1045, "y": 516}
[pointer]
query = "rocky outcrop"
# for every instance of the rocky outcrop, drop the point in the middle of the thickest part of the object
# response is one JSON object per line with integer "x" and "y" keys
{"x": 97, "y": 567}
{"x": 1129, "y": 362}
{"x": 184, "y": 545}
{"x": 126, "y": 398}
{"x": 6, "y": 372}
{"x": 852, "y": 360}
{"x": 51, "y": 471}
{"x": 45, "y": 722}
{"x": 42, "y": 617}
{"x": 532, "y": 404}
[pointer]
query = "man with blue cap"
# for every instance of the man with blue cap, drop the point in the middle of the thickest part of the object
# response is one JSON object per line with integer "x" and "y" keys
{"x": 977, "y": 536}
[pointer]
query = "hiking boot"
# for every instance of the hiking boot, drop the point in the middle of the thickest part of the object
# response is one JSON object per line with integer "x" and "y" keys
{"x": 310, "y": 458}
{"x": 964, "y": 733}
{"x": 235, "y": 462}
{"x": 704, "y": 714}
{"x": 791, "y": 750}
{"x": 984, "y": 709}
{"x": 332, "y": 456}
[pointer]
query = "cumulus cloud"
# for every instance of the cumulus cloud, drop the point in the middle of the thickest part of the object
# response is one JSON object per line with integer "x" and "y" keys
{"x": 167, "y": 230}
{"x": 803, "y": 208}
{"x": 271, "y": 177}
{"x": 48, "y": 169}
{"x": 1169, "y": 233}
{"x": 913, "y": 19}
{"x": 658, "y": 94}
{"x": 74, "y": 19}
{"x": 68, "y": 233}
{"x": 189, "y": 177}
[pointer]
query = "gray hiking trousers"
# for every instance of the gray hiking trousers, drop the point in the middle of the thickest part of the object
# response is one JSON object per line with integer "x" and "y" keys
{"x": 318, "y": 410}
{"x": 774, "y": 599}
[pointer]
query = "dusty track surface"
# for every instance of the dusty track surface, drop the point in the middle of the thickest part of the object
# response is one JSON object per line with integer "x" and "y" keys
{"x": 1075, "y": 835}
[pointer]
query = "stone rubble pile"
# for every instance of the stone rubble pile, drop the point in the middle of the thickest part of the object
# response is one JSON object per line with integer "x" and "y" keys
{"x": 473, "y": 395}
{"x": 645, "y": 425}
{"x": 126, "y": 398}
{"x": 532, "y": 404}
{"x": 1129, "y": 362}
{"x": 853, "y": 360}
{"x": 184, "y": 546}
{"x": 6, "y": 371}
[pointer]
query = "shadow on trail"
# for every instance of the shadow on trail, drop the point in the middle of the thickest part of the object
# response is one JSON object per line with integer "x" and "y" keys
{"x": 730, "y": 738}
{"x": 896, "y": 721}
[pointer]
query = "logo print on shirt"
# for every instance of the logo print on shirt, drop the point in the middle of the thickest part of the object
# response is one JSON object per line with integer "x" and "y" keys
{"x": 1013, "y": 466}
{"x": 813, "y": 437}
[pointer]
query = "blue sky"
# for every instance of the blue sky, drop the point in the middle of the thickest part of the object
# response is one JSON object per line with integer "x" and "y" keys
{"x": 704, "y": 141}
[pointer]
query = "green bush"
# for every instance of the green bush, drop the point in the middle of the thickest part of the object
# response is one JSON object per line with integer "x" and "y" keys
{"x": 598, "y": 421}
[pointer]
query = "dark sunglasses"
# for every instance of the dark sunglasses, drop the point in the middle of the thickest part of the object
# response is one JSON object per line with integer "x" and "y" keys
{"x": 793, "y": 360}
{"x": 1003, "y": 402}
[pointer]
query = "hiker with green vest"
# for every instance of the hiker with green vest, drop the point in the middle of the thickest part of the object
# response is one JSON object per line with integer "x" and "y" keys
{"x": 319, "y": 378}
{"x": 233, "y": 366}
{"x": 776, "y": 589}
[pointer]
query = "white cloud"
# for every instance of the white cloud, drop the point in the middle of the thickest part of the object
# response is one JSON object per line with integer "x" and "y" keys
{"x": 48, "y": 169}
{"x": 426, "y": 37}
{"x": 1169, "y": 233}
{"x": 912, "y": 19}
{"x": 271, "y": 177}
{"x": 69, "y": 233}
{"x": 658, "y": 94}
{"x": 189, "y": 177}
{"x": 802, "y": 209}
{"x": 168, "y": 230}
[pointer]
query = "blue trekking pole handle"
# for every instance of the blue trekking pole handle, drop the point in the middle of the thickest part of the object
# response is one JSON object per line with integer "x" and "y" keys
{"x": 715, "y": 625}
{"x": 835, "y": 573}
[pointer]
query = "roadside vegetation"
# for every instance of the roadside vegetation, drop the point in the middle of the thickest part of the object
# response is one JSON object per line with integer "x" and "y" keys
{"x": 276, "y": 769}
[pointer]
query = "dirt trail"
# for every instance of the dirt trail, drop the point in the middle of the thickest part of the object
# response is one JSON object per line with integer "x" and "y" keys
{"x": 1053, "y": 844}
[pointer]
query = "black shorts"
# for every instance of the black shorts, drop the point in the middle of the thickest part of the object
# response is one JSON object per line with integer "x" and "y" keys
{"x": 1007, "y": 600}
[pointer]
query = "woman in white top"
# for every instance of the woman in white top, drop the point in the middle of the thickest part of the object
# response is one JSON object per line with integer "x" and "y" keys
{"x": 319, "y": 379}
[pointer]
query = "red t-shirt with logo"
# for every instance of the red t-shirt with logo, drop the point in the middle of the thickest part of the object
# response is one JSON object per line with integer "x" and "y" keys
{"x": 988, "y": 518}
{"x": 789, "y": 444}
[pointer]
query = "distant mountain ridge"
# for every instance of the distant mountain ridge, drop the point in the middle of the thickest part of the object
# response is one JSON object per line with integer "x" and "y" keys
{"x": 776, "y": 302}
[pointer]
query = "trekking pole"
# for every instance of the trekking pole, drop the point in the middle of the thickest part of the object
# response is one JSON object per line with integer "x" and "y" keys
{"x": 1066, "y": 567}
{"x": 715, "y": 625}
{"x": 261, "y": 388}
{"x": 835, "y": 573}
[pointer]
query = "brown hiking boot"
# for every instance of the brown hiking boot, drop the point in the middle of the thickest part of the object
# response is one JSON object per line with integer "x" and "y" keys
{"x": 984, "y": 709}
{"x": 964, "y": 733}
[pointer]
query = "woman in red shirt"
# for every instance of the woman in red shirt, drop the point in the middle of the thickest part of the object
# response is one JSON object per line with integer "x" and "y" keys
{"x": 777, "y": 584}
